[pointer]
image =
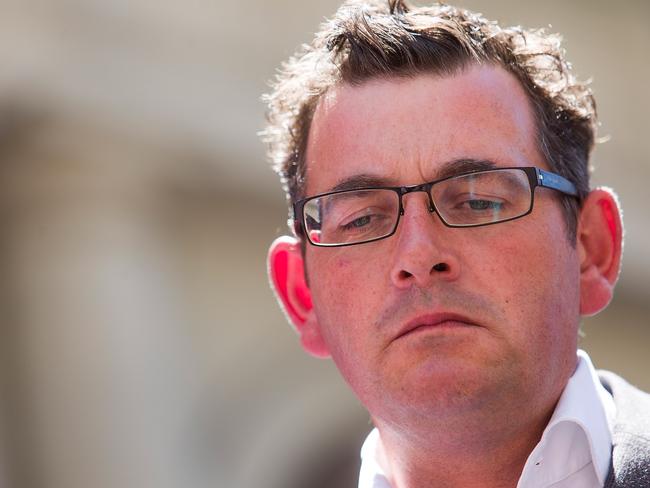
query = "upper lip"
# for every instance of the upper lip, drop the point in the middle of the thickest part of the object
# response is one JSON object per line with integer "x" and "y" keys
{"x": 432, "y": 319}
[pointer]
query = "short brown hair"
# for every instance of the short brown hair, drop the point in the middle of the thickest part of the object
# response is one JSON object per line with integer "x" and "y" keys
{"x": 382, "y": 39}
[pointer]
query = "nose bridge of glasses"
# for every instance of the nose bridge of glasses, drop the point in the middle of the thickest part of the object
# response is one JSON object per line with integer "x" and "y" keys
{"x": 425, "y": 188}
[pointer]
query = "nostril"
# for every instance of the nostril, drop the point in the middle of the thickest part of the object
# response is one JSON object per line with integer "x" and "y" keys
{"x": 441, "y": 267}
{"x": 404, "y": 275}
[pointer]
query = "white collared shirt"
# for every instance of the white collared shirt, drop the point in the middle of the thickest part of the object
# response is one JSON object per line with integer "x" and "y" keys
{"x": 575, "y": 448}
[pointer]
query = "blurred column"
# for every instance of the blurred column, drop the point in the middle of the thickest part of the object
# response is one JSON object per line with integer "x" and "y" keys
{"x": 99, "y": 367}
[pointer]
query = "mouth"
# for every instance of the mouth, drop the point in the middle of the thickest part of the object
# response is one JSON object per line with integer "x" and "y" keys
{"x": 442, "y": 322}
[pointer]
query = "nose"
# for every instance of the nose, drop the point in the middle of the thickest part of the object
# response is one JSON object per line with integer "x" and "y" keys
{"x": 425, "y": 250}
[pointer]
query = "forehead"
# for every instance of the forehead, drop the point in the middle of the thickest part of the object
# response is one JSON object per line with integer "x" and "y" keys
{"x": 403, "y": 130}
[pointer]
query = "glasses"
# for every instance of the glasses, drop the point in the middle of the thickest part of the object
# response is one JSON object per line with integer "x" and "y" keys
{"x": 473, "y": 199}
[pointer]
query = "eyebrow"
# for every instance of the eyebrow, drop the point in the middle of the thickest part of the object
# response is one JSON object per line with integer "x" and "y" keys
{"x": 463, "y": 165}
{"x": 362, "y": 180}
{"x": 451, "y": 168}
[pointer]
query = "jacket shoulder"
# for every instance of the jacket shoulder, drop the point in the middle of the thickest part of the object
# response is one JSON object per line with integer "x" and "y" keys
{"x": 630, "y": 434}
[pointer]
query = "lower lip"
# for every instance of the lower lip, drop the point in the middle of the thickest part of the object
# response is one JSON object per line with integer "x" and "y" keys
{"x": 445, "y": 326}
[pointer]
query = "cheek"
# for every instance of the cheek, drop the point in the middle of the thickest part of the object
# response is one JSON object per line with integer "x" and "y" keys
{"x": 533, "y": 276}
{"x": 328, "y": 278}
{"x": 501, "y": 269}
{"x": 344, "y": 289}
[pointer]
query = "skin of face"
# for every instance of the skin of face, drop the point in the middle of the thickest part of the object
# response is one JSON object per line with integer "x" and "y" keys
{"x": 510, "y": 289}
{"x": 469, "y": 333}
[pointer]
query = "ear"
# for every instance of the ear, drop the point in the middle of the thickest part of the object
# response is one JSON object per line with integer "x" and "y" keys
{"x": 287, "y": 276}
{"x": 600, "y": 245}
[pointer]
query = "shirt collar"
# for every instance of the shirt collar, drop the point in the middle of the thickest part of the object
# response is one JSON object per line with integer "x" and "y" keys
{"x": 579, "y": 432}
{"x": 371, "y": 474}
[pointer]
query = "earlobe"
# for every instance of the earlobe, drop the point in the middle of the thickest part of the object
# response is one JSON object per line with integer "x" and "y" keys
{"x": 287, "y": 276}
{"x": 600, "y": 244}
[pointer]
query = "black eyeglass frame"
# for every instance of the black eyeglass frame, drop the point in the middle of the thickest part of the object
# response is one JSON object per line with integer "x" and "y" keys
{"x": 536, "y": 177}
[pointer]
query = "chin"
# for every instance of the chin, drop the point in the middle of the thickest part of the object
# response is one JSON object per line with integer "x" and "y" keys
{"x": 444, "y": 391}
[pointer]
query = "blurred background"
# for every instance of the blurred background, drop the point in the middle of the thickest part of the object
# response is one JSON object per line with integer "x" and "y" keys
{"x": 140, "y": 345}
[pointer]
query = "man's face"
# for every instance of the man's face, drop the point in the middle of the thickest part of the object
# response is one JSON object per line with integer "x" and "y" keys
{"x": 438, "y": 319}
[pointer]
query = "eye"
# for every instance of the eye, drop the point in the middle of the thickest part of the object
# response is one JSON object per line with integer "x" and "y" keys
{"x": 358, "y": 222}
{"x": 484, "y": 205}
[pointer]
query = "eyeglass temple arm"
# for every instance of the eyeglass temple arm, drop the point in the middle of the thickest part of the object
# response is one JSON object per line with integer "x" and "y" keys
{"x": 556, "y": 182}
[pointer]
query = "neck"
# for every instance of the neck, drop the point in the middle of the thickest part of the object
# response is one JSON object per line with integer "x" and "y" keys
{"x": 467, "y": 454}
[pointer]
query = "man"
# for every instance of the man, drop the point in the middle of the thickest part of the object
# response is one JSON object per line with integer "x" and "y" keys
{"x": 447, "y": 243}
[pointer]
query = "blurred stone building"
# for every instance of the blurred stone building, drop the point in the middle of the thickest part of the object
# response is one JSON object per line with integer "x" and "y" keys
{"x": 140, "y": 345}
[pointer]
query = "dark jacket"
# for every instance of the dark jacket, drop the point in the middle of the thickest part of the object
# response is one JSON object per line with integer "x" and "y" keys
{"x": 630, "y": 466}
